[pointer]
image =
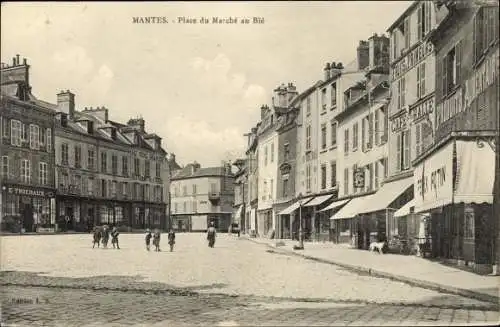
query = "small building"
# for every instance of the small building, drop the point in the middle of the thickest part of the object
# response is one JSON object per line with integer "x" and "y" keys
{"x": 200, "y": 196}
{"x": 27, "y": 197}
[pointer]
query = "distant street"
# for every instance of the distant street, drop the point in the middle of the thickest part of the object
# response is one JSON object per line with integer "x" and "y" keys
{"x": 235, "y": 283}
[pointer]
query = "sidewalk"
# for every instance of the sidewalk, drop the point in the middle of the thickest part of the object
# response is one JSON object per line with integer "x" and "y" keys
{"x": 409, "y": 269}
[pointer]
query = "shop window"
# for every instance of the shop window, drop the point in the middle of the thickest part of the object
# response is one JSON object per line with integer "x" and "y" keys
{"x": 344, "y": 226}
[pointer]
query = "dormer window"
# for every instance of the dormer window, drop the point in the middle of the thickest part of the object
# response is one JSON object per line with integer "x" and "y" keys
{"x": 64, "y": 120}
{"x": 113, "y": 133}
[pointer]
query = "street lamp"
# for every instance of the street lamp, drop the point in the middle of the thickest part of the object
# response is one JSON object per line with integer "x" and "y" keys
{"x": 301, "y": 232}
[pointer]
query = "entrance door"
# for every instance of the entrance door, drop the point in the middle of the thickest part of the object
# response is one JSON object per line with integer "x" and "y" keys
{"x": 69, "y": 217}
{"x": 91, "y": 219}
{"x": 28, "y": 217}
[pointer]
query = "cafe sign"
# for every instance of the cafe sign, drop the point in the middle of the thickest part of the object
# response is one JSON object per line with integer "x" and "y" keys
{"x": 27, "y": 191}
{"x": 483, "y": 77}
{"x": 422, "y": 109}
{"x": 450, "y": 107}
{"x": 412, "y": 59}
{"x": 400, "y": 122}
{"x": 433, "y": 180}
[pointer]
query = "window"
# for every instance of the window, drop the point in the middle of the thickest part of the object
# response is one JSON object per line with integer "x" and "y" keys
{"x": 308, "y": 137}
{"x": 346, "y": 141}
{"x": 308, "y": 106}
{"x": 194, "y": 189}
{"x": 42, "y": 173}
{"x": 195, "y": 206}
{"x": 176, "y": 207}
{"x": 423, "y": 19}
{"x": 308, "y": 177}
{"x": 24, "y": 133}
{"x": 90, "y": 185}
{"x": 213, "y": 188}
{"x": 346, "y": 181}
{"x": 265, "y": 155}
{"x": 5, "y": 127}
{"x": 369, "y": 145}
{"x": 394, "y": 41}
{"x": 401, "y": 86}
{"x": 354, "y": 169}
{"x": 285, "y": 187}
{"x": 184, "y": 190}
{"x": 185, "y": 206}
{"x": 49, "y": 140}
{"x": 355, "y": 137}
{"x": 333, "y": 96}
{"x": 271, "y": 189}
{"x": 158, "y": 169}
{"x": 406, "y": 32}
{"x": 333, "y": 175}
{"x": 114, "y": 188}
{"x": 15, "y": 132}
{"x": 78, "y": 156}
{"x": 26, "y": 171}
{"x": 286, "y": 151}
{"x": 147, "y": 195}
{"x": 64, "y": 154}
{"x": 323, "y": 176}
{"x": 377, "y": 127}
{"x": 104, "y": 162}
{"x": 147, "y": 168}
{"x": 5, "y": 167}
{"x": 370, "y": 176}
{"x": 403, "y": 150}
{"x": 272, "y": 152}
{"x": 386, "y": 167}
{"x": 323, "y": 99}
{"x": 421, "y": 80}
{"x": 42, "y": 135}
{"x": 91, "y": 159}
{"x": 124, "y": 188}
{"x": 451, "y": 68}
{"x": 114, "y": 165}
{"x": 333, "y": 136}
{"x": 137, "y": 166}
{"x": 34, "y": 137}
{"x": 118, "y": 214}
{"x": 125, "y": 166}
{"x": 375, "y": 174}
{"x": 323, "y": 136}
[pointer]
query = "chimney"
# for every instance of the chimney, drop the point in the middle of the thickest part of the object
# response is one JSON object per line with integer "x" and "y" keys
{"x": 263, "y": 110}
{"x": 66, "y": 103}
{"x": 363, "y": 57}
{"x": 137, "y": 123}
{"x": 335, "y": 68}
{"x": 327, "y": 71}
{"x": 16, "y": 72}
{"x": 379, "y": 51}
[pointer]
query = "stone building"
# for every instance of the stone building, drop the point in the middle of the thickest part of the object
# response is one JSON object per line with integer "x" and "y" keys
{"x": 454, "y": 176}
{"x": 240, "y": 193}
{"x": 27, "y": 198}
{"x": 252, "y": 199}
{"x": 200, "y": 196}
{"x": 108, "y": 172}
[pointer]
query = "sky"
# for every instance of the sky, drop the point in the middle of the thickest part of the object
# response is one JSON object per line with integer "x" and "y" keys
{"x": 198, "y": 86}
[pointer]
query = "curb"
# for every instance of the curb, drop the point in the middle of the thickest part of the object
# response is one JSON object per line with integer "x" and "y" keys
{"x": 407, "y": 280}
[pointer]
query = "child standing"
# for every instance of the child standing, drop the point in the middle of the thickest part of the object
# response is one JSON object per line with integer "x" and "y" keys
{"x": 156, "y": 240}
{"x": 114, "y": 238}
{"x": 148, "y": 239}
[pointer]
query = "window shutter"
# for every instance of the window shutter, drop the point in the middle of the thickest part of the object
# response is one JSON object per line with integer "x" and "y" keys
{"x": 417, "y": 139}
{"x": 406, "y": 144}
{"x": 403, "y": 91}
{"x": 418, "y": 82}
{"x": 458, "y": 60}
{"x": 444, "y": 81}
{"x": 419, "y": 22}
{"x": 363, "y": 134}
{"x": 398, "y": 152}
{"x": 377, "y": 126}
{"x": 422, "y": 79}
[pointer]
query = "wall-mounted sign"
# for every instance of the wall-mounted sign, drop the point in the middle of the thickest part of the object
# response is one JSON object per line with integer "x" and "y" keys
{"x": 450, "y": 107}
{"x": 399, "y": 122}
{"x": 409, "y": 61}
{"x": 482, "y": 77}
{"x": 423, "y": 109}
{"x": 28, "y": 191}
{"x": 359, "y": 178}
{"x": 433, "y": 180}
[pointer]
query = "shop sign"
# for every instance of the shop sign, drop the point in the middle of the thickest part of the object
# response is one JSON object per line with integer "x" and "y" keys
{"x": 433, "y": 180}
{"x": 482, "y": 78}
{"x": 450, "y": 107}
{"x": 400, "y": 122}
{"x": 421, "y": 110}
{"x": 412, "y": 59}
{"x": 27, "y": 191}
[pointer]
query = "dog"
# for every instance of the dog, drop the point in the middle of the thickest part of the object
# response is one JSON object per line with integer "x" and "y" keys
{"x": 377, "y": 246}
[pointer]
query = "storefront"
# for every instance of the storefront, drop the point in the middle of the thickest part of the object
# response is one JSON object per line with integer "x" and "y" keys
{"x": 318, "y": 226}
{"x": 454, "y": 185}
{"x": 335, "y": 227}
{"x": 347, "y": 223}
{"x": 27, "y": 208}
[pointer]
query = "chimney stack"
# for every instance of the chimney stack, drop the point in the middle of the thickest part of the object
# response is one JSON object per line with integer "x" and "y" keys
{"x": 263, "y": 110}
{"x": 66, "y": 103}
{"x": 327, "y": 71}
{"x": 363, "y": 57}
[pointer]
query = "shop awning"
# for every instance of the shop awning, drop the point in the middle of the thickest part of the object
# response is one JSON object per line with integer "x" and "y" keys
{"x": 476, "y": 172}
{"x": 318, "y": 200}
{"x": 352, "y": 208}
{"x": 294, "y": 206}
{"x": 386, "y": 194}
{"x": 405, "y": 210}
{"x": 335, "y": 204}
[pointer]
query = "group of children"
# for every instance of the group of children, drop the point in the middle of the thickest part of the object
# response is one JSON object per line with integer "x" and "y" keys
{"x": 156, "y": 239}
{"x": 102, "y": 235}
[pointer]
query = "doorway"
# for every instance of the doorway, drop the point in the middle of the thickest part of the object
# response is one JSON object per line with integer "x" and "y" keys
{"x": 28, "y": 217}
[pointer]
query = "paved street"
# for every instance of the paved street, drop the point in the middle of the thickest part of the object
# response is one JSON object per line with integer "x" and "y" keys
{"x": 61, "y": 280}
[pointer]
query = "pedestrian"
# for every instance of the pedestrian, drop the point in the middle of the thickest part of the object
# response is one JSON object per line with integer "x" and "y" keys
{"x": 211, "y": 233}
{"x": 114, "y": 238}
{"x": 171, "y": 239}
{"x": 97, "y": 237}
{"x": 156, "y": 240}
{"x": 105, "y": 236}
{"x": 148, "y": 239}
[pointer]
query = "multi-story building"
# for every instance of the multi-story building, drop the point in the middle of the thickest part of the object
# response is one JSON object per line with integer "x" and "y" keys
{"x": 27, "y": 198}
{"x": 200, "y": 196}
{"x": 240, "y": 189}
{"x": 107, "y": 172}
{"x": 454, "y": 176}
{"x": 252, "y": 196}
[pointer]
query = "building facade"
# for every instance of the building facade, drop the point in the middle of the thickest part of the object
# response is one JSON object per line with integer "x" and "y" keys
{"x": 27, "y": 198}
{"x": 107, "y": 172}
{"x": 240, "y": 196}
{"x": 252, "y": 196}
{"x": 201, "y": 196}
{"x": 454, "y": 177}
